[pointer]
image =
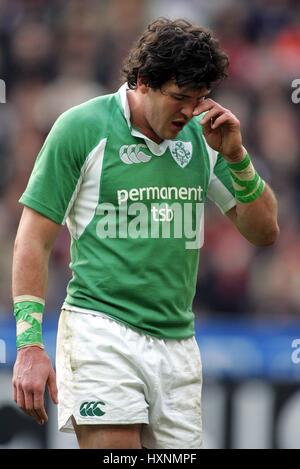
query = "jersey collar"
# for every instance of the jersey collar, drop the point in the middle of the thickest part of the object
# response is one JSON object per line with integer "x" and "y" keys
{"x": 157, "y": 148}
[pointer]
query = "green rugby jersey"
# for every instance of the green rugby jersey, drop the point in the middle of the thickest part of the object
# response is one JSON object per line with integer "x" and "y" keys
{"x": 134, "y": 210}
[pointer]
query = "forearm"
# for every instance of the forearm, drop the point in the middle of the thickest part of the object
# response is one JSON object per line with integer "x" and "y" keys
{"x": 33, "y": 245}
{"x": 257, "y": 220}
{"x": 34, "y": 241}
{"x": 30, "y": 268}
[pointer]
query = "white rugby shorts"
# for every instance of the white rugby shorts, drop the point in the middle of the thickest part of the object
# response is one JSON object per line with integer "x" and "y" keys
{"x": 109, "y": 374}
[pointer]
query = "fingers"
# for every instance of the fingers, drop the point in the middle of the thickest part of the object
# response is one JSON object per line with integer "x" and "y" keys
{"x": 19, "y": 397}
{"x": 31, "y": 401}
{"x": 207, "y": 105}
{"x": 211, "y": 115}
{"x": 226, "y": 118}
{"x": 39, "y": 407}
{"x": 32, "y": 371}
{"x": 34, "y": 402}
{"x": 28, "y": 404}
{"x": 24, "y": 401}
{"x": 52, "y": 386}
{"x": 216, "y": 115}
{"x": 15, "y": 398}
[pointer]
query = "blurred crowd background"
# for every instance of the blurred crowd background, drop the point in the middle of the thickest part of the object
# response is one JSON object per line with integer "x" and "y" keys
{"x": 56, "y": 54}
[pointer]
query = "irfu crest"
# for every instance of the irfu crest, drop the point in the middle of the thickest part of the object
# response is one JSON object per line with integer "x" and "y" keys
{"x": 181, "y": 152}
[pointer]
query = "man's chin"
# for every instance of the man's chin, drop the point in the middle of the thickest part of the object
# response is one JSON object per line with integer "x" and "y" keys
{"x": 173, "y": 134}
{"x": 170, "y": 134}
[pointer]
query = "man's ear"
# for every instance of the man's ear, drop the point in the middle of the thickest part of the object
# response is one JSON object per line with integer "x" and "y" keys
{"x": 143, "y": 88}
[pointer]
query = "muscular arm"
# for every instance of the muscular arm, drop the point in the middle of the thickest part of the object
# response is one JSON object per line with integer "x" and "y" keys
{"x": 257, "y": 221}
{"x": 33, "y": 368}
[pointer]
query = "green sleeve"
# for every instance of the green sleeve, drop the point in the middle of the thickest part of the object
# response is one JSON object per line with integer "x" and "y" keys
{"x": 57, "y": 169}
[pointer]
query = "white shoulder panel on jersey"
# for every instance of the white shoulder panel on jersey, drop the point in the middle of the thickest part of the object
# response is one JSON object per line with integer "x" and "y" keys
{"x": 217, "y": 192}
{"x": 213, "y": 156}
{"x": 85, "y": 198}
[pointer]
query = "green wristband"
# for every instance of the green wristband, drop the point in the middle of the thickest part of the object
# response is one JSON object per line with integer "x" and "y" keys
{"x": 247, "y": 183}
{"x": 28, "y": 311}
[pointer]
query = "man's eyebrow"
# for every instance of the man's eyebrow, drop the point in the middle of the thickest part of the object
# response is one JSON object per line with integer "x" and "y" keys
{"x": 182, "y": 95}
{"x": 188, "y": 96}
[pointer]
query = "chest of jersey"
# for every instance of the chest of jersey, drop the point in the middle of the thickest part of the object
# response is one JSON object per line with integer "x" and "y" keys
{"x": 132, "y": 173}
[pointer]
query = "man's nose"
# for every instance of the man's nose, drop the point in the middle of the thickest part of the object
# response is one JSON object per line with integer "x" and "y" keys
{"x": 190, "y": 111}
{"x": 196, "y": 111}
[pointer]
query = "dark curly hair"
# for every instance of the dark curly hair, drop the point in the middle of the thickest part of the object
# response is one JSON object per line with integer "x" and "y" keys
{"x": 175, "y": 50}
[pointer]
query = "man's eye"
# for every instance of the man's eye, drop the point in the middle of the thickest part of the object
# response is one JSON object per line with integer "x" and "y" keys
{"x": 178, "y": 98}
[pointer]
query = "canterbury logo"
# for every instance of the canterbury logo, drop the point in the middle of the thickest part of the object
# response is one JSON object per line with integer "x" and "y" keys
{"x": 91, "y": 409}
{"x": 130, "y": 154}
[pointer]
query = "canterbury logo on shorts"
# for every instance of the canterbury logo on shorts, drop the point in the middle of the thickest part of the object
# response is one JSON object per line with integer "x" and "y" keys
{"x": 91, "y": 409}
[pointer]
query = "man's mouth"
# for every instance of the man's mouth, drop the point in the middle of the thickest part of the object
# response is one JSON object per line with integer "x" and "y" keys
{"x": 179, "y": 124}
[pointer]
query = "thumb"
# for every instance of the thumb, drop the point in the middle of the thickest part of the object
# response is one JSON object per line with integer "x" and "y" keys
{"x": 52, "y": 386}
